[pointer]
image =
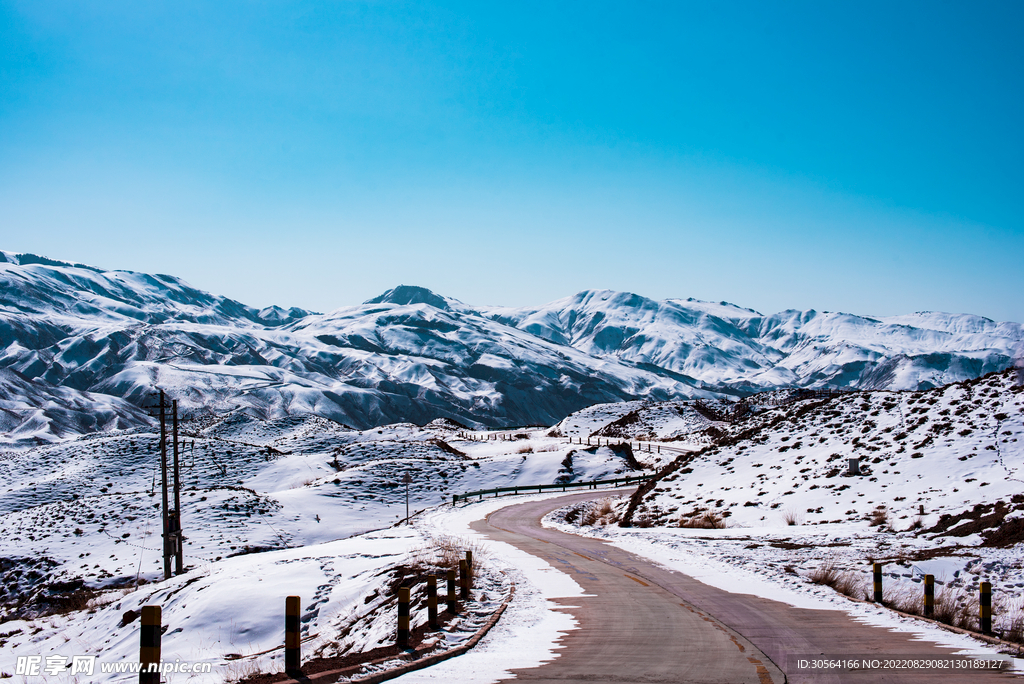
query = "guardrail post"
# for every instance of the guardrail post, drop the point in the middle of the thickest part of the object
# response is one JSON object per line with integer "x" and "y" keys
{"x": 985, "y": 608}
{"x": 432, "y": 601}
{"x": 451, "y": 591}
{"x": 292, "y": 636}
{"x": 878, "y": 582}
{"x": 929, "y": 595}
{"x": 403, "y": 617}
{"x": 149, "y": 646}
{"x": 464, "y": 579}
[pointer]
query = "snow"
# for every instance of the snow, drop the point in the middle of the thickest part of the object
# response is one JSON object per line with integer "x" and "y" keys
{"x": 529, "y": 631}
{"x": 285, "y": 494}
{"x": 942, "y": 450}
{"x": 414, "y": 355}
{"x": 298, "y": 498}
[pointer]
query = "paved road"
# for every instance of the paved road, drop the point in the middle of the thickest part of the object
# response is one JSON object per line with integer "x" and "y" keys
{"x": 647, "y": 624}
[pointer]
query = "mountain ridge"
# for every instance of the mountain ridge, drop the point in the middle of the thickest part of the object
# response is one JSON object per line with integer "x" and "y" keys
{"x": 413, "y": 355}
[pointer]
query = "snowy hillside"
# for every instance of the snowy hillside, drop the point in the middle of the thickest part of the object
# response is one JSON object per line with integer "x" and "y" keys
{"x": 34, "y": 411}
{"x": 928, "y": 451}
{"x": 412, "y": 355}
{"x": 768, "y": 501}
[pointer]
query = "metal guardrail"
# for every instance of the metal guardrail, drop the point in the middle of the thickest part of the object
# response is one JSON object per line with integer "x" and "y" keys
{"x": 565, "y": 486}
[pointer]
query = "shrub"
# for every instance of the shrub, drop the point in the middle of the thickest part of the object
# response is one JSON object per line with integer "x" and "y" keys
{"x": 792, "y": 517}
{"x": 706, "y": 520}
{"x": 601, "y": 511}
{"x": 879, "y": 517}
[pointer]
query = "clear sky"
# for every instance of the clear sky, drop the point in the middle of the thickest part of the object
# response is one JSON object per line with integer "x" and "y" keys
{"x": 861, "y": 156}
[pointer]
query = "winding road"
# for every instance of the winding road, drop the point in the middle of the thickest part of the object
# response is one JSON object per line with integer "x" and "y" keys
{"x": 642, "y": 623}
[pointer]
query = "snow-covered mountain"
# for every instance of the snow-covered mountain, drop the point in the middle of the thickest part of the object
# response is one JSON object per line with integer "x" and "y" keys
{"x": 413, "y": 355}
{"x": 724, "y": 345}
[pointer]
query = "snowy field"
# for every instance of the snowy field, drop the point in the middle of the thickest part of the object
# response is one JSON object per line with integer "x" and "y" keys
{"x": 230, "y": 613}
{"x": 309, "y": 507}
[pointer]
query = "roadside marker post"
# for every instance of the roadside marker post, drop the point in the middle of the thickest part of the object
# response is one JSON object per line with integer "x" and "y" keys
{"x": 464, "y": 579}
{"x": 407, "y": 480}
{"x": 469, "y": 566}
{"x": 878, "y": 582}
{"x": 432, "y": 601}
{"x": 929, "y": 595}
{"x": 451, "y": 591}
{"x": 403, "y": 617}
{"x": 292, "y": 636}
{"x": 985, "y": 608}
{"x": 149, "y": 645}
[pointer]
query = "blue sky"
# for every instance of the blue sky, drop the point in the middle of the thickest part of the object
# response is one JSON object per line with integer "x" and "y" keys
{"x": 862, "y": 157}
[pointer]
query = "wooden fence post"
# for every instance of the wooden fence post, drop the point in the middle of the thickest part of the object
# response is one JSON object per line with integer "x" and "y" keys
{"x": 292, "y": 636}
{"x": 149, "y": 646}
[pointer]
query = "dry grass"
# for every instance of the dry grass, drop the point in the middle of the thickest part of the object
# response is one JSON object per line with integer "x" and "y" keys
{"x": 847, "y": 582}
{"x": 242, "y": 669}
{"x": 956, "y": 607}
{"x": 879, "y": 517}
{"x": 953, "y": 606}
{"x": 444, "y": 551}
{"x": 601, "y": 512}
{"x": 525, "y": 450}
{"x": 906, "y": 599}
{"x": 792, "y": 517}
{"x": 1010, "y": 622}
{"x": 707, "y": 520}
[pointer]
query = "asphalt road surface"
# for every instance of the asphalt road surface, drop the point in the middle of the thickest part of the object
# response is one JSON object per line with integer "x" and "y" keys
{"x": 647, "y": 624}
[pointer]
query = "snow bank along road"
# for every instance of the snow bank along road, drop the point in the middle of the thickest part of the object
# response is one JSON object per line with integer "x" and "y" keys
{"x": 640, "y": 622}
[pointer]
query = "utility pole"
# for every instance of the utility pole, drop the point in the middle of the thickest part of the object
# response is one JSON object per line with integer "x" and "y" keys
{"x": 177, "y": 539}
{"x": 163, "y": 480}
{"x": 172, "y": 537}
